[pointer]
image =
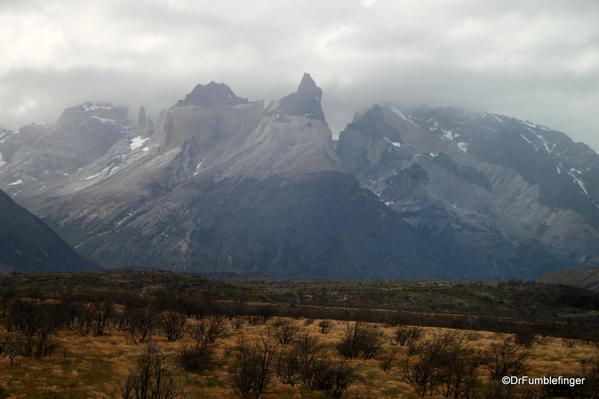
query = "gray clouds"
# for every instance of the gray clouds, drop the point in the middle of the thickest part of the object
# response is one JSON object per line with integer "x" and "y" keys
{"x": 537, "y": 60}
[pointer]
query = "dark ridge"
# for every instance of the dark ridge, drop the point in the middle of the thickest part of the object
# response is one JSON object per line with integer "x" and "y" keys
{"x": 305, "y": 101}
{"x": 211, "y": 95}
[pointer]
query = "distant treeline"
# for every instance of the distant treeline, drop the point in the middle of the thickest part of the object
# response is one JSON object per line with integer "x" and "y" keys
{"x": 81, "y": 305}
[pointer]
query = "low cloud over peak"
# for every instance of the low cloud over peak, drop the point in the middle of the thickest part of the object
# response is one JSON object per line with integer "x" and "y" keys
{"x": 536, "y": 60}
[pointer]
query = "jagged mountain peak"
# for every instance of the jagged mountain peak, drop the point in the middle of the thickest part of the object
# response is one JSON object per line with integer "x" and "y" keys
{"x": 211, "y": 95}
{"x": 308, "y": 85}
{"x": 100, "y": 112}
{"x": 142, "y": 119}
{"x": 304, "y": 102}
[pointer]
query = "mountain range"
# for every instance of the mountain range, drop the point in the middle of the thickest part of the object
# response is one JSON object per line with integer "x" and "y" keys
{"x": 220, "y": 183}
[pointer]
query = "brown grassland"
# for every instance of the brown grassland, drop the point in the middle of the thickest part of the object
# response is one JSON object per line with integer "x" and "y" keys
{"x": 88, "y": 366}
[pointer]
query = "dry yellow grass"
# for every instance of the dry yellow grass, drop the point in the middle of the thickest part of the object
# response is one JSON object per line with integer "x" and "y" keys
{"x": 95, "y": 367}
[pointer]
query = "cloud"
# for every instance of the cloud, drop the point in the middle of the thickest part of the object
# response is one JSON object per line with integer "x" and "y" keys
{"x": 537, "y": 60}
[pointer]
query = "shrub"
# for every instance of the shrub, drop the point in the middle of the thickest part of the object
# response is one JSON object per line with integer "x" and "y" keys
{"x": 406, "y": 335}
{"x": 387, "y": 359}
{"x": 331, "y": 377}
{"x": 237, "y": 323}
{"x": 138, "y": 322}
{"x": 150, "y": 378}
{"x": 172, "y": 325}
{"x": 308, "y": 350}
{"x": 287, "y": 366}
{"x": 444, "y": 365}
{"x": 251, "y": 371}
{"x": 32, "y": 327}
{"x": 285, "y": 331}
{"x": 360, "y": 340}
{"x": 209, "y": 331}
{"x": 325, "y": 326}
{"x": 197, "y": 359}
{"x": 525, "y": 337}
{"x": 506, "y": 358}
{"x": 100, "y": 315}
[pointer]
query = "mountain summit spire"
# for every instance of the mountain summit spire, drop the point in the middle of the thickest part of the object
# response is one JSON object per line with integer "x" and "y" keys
{"x": 305, "y": 101}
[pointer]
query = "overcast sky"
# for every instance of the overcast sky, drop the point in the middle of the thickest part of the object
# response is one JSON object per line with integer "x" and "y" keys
{"x": 536, "y": 60}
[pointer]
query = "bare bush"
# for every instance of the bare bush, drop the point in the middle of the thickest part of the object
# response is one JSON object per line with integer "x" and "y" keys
{"x": 10, "y": 347}
{"x": 325, "y": 326}
{"x": 33, "y": 327}
{"x": 404, "y": 335}
{"x": 287, "y": 366}
{"x": 237, "y": 323}
{"x": 525, "y": 337}
{"x": 172, "y": 325}
{"x": 387, "y": 359}
{"x": 285, "y": 331}
{"x": 308, "y": 350}
{"x": 150, "y": 378}
{"x": 138, "y": 322}
{"x": 360, "y": 340}
{"x": 209, "y": 331}
{"x": 328, "y": 376}
{"x": 506, "y": 358}
{"x": 444, "y": 365}
{"x": 252, "y": 369}
{"x": 197, "y": 359}
{"x": 101, "y": 313}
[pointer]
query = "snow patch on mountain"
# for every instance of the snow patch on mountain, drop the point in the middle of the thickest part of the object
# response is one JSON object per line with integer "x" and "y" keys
{"x": 393, "y": 143}
{"x": 16, "y": 182}
{"x": 493, "y": 116}
{"x": 463, "y": 146}
{"x": 546, "y": 144}
{"x": 198, "y": 169}
{"x": 401, "y": 115}
{"x": 574, "y": 173}
{"x": 90, "y": 107}
{"x": 105, "y": 120}
{"x": 449, "y": 134}
{"x": 137, "y": 142}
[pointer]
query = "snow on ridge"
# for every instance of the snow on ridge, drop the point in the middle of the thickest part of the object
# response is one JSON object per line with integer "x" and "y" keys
{"x": 393, "y": 143}
{"x": 93, "y": 176}
{"x": 449, "y": 134}
{"x": 536, "y": 126}
{"x": 573, "y": 172}
{"x": 545, "y": 144}
{"x": 137, "y": 142}
{"x": 198, "y": 168}
{"x": 463, "y": 146}
{"x": 494, "y": 116}
{"x": 16, "y": 182}
{"x": 88, "y": 107}
{"x": 104, "y": 120}
{"x": 401, "y": 115}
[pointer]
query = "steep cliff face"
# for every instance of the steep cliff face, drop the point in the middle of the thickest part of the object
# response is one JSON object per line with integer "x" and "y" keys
{"x": 28, "y": 245}
{"x": 509, "y": 191}
{"x": 229, "y": 185}
{"x": 224, "y": 184}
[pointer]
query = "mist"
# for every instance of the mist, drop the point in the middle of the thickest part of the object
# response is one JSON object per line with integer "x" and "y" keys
{"x": 537, "y": 60}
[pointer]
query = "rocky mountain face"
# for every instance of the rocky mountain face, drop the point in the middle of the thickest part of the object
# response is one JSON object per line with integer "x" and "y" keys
{"x": 224, "y": 184}
{"x": 28, "y": 245}
{"x": 518, "y": 197}
{"x": 41, "y": 157}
